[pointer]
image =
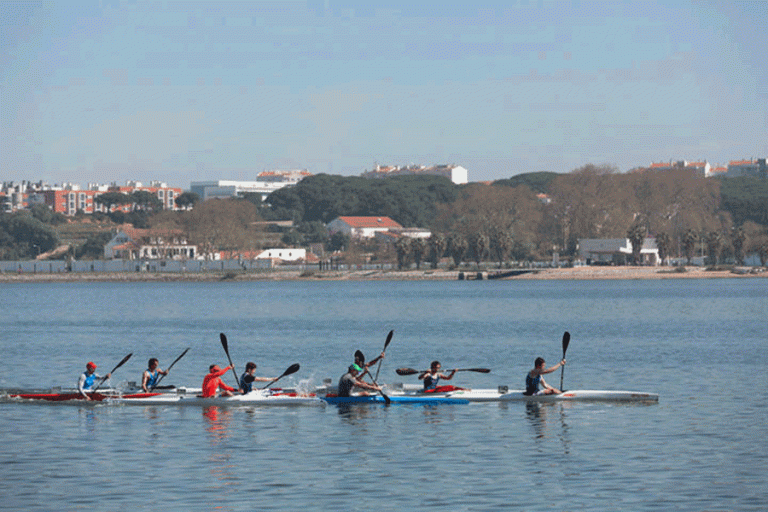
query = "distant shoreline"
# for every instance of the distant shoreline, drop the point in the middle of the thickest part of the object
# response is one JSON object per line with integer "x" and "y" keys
{"x": 576, "y": 273}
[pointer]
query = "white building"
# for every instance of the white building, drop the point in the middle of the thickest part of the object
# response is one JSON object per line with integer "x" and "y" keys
{"x": 133, "y": 244}
{"x": 455, "y": 173}
{"x": 616, "y": 250}
{"x": 267, "y": 182}
{"x": 289, "y": 254}
{"x": 361, "y": 227}
{"x": 757, "y": 168}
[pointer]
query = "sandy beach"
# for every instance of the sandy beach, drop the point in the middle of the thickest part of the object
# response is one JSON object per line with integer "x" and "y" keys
{"x": 576, "y": 273}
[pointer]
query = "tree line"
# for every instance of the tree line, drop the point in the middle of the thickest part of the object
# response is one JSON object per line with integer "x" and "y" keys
{"x": 526, "y": 217}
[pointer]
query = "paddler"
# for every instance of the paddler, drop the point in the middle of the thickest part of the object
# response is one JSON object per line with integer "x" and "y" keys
{"x": 534, "y": 378}
{"x": 248, "y": 378}
{"x": 151, "y": 374}
{"x": 350, "y": 381}
{"x": 360, "y": 361}
{"x": 433, "y": 376}
{"x": 88, "y": 379}
{"x": 212, "y": 382}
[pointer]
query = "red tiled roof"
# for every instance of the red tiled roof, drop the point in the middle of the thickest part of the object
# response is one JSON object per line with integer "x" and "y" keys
{"x": 370, "y": 222}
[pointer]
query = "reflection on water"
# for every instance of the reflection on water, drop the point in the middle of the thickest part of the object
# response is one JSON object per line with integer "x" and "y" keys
{"x": 218, "y": 419}
{"x": 548, "y": 420}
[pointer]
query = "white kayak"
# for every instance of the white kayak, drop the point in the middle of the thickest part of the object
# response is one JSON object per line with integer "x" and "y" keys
{"x": 502, "y": 394}
{"x": 256, "y": 398}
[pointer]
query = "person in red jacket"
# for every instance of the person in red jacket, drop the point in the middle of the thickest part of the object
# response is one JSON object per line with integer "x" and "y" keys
{"x": 212, "y": 382}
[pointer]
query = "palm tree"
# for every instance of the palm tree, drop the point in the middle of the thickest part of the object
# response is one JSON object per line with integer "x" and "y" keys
{"x": 457, "y": 247}
{"x": 714, "y": 246}
{"x": 418, "y": 248}
{"x": 479, "y": 245}
{"x": 501, "y": 244}
{"x": 664, "y": 243}
{"x": 738, "y": 239}
{"x": 437, "y": 244}
{"x": 403, "y": 249}
{"x": 689, "y": 244}
{"x": 636, "y": 235}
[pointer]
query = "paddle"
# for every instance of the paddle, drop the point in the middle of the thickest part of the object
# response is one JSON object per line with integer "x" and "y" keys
{"x": 291, "y": 369}
{"x": 224, "y": 344}
{"x": 121, "y": 363}
{"x": 168, "y": 370}
{"x": 386, "y": 344}
{"x": 411, "y": 371}
{"x": 566, "y": 341}
{"x": 359, "y": 356}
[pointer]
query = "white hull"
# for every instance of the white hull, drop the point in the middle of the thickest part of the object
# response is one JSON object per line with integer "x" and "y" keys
{"x": 255, "y": 398}
{"x": 582, "y": 395}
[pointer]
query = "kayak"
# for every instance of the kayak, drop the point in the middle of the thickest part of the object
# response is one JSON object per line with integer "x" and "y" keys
{"x": 74, "y": 396}
{"x": 395, "y": 399}
{"x": 260, "y": 398}
{"x": 504, "y": 395}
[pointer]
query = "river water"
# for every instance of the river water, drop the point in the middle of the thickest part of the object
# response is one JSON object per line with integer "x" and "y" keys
{"x": 700, "y": 344}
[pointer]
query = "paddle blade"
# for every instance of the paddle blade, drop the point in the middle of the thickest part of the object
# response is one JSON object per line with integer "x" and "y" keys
{"x": 566, "y": 341}
{"x": 121, "y": 363}
{"x": 389, "y": 339}
{"x": 224, "y": 343}
{"x": 406, "y": 371}
{"x": 292, "y": 369}
{"x": 478, "y": 370}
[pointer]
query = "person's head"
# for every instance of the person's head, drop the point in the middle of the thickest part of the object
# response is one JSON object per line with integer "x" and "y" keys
{"x": 539, "y": 362}
{"x": 153, "y": 363}
{"x": 214, "y": 368}
{"x": 91, "y": 367}
{"x": 250, "y": 367}
{"x": 354, "y": 369}
{"x": 359, "y": 358}
{"x": 435, "y": 366}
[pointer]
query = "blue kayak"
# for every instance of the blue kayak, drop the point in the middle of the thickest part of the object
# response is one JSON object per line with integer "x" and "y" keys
{"x": 376, "y": 399}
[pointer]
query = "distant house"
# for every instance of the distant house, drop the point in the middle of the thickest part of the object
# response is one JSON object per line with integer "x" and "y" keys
{"x": 616, "y": 251}
{"x": 289, "y": 254}
{"x": 362, "y": 227}
{"x": 132, "y": 244}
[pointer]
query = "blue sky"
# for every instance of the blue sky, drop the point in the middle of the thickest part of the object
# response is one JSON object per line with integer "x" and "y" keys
{"x": 183, "y": 91}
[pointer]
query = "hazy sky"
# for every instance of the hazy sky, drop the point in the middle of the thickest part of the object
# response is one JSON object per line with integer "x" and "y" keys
{"x": 196, "y": 90}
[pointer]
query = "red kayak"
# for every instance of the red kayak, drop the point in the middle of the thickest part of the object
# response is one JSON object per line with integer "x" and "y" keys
{"x": 63, "y": 397}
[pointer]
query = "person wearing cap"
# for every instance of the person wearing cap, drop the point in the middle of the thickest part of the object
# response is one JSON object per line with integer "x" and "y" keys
{"x": 150, "y": 375}
{"x": 350, "y": 381}
{"x": 212, "y": 382}
{"x": 248, "y": 378}
{"x": 88, "y": 379}
{"x": 433, "y": 376}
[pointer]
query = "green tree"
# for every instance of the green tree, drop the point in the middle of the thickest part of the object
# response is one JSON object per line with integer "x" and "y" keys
{"x": 419, "y": 248}
{"x": 664, "y": 243}
{"x": 93, "y": 248}
{"x": 44, "y": 214}
{"x": 111, "y": 199}
{"x": 478, "y": 244}
{"x": 338, "y": 241}
{"x": 187, "y": 200}
{"x": 403, "y": 249}
{"x": 457, "y": 248}
{"x": 501, "y": 243}
{"x": 689, "y": 244}
{"x": 437, "y": 246}
{"x": 24, "y": 236}
{"x": 636, "y": 235}
{"x": 738, "y": 240}
{"x": 714, "y": 242}
{"x": 146, "y": 201}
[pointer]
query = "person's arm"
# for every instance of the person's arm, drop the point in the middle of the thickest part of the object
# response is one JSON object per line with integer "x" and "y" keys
{"x": 422, "y": 375}
{"x": 366, "y": 385}
{"x": 544, "y": 384}
{"x": 144, "y": 381}
{"x": 550, "y": 370}
{"x": 263, "y": 379}
{"x": 449, "y": 376}
{"x": 228, "y": 388}
{"x": 374, "y": 360}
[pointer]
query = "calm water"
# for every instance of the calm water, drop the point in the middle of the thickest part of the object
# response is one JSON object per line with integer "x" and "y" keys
{"x": 700, "y": 344}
